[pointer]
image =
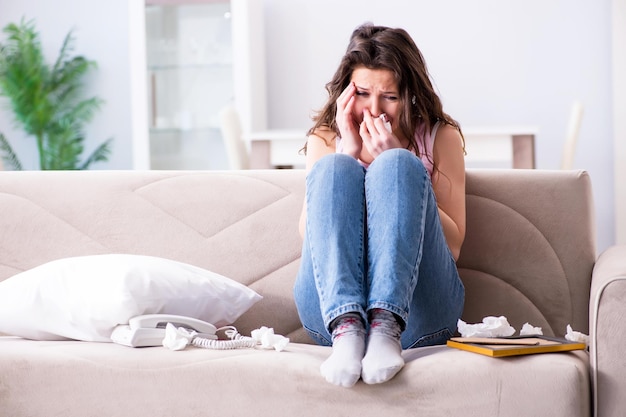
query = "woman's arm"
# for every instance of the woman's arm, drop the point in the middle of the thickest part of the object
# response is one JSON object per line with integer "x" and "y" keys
{"x": 319, "y": 144}
{"x": 449, "y": 185}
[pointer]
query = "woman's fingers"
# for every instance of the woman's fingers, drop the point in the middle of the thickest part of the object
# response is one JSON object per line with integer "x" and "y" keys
{"x": 345, "y": 97}
{"x": 376, "y": 134}
{"x": 370, "y": 123}
{"x": 374, "y": 124}
{"x": 345, "y": 103}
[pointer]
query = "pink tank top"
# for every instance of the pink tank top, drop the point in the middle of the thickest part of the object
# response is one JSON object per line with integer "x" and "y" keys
{"x": 426, "y": 142}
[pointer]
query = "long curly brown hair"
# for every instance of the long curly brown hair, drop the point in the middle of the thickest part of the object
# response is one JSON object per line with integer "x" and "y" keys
{"x": 380, "y": 47}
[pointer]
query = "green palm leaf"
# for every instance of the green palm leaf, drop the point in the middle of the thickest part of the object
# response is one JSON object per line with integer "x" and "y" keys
{"x": 8, "y": 156}
{"x": 100, "y": 154}
{"x": 47, "y": 101}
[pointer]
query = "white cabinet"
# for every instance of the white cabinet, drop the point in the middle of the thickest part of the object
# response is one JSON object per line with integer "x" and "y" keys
{"x": 190, "y": 79}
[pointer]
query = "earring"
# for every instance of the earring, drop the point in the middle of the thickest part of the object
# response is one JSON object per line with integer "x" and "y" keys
{"x": 413, "y": 100}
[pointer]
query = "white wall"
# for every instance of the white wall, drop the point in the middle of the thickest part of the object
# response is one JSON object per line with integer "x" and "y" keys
{"x": 249, "y": 65}
{"x": 110, "y": 33}
{"x": 520, "y": 62}
{"x": 619, "y": 109}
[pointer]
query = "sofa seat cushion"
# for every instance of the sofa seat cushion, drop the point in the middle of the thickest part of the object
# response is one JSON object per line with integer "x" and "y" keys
{"x": 103, "y": 379}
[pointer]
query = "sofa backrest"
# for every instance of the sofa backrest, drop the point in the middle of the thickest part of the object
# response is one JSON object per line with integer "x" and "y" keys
{"x": 528, "y": 253}
{"x": 529, "y": 248}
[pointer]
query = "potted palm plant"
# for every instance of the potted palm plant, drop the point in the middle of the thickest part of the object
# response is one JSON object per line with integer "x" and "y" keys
{"x": 47, "y": 100}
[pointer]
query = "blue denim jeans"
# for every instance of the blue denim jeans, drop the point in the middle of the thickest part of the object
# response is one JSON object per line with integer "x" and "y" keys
{"x": 373, "y": 239}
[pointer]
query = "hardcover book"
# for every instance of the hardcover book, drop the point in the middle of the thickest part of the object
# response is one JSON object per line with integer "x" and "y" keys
{"x": 513, "y": 346}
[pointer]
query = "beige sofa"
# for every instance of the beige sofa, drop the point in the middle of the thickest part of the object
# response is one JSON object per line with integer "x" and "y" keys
{"x": 529, "y": 255}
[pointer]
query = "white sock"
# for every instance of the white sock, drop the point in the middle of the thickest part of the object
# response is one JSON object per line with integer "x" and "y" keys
{"x": 383, "y": 359}
{"x": 343, "y": 367}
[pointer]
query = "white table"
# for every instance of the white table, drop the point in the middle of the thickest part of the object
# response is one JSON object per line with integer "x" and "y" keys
{"x": 490, "y": 147}
{"x": 277, "y": 148}
{"x": 500, "y": 146}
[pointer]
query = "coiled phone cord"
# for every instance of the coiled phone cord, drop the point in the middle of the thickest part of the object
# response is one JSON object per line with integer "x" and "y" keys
{"x": 236, "y": 340}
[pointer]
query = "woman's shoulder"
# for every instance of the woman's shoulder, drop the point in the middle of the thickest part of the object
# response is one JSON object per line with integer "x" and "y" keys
{"x": 448, "y": 135}
{"x": 447, "y": 129}
{"x": 320, "y": 142}
{"x": 323, "y": 134}
{"x": 449, "y": 143}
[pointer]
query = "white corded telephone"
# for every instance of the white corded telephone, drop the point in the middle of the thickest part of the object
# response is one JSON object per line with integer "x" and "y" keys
{"x": 149, "y": 329}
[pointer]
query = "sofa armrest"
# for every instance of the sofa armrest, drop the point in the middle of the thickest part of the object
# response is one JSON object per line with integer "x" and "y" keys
{"x": 607, "y": 339}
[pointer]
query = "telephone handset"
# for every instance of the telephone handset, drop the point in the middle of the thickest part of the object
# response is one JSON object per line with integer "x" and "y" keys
{"x": 159, "y": 321}
{"x": 149, "y": 329}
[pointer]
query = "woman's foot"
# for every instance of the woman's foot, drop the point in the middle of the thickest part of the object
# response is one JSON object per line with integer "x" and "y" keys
{"x": 383, "y": 359}
{"x": 343, "y": 367}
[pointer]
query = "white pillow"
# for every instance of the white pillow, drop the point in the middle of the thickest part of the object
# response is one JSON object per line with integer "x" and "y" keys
{"x": 84, "y": 298}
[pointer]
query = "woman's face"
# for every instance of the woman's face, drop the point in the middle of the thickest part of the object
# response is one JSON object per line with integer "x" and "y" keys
{"x": 377, "y": 91}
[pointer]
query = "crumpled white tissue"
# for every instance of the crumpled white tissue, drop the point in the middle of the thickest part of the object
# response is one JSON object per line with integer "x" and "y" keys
{"x": 267, "y": 339}
{"x": 386, "y": 122}
{"x": 528, "y": 330}
{"x": 574, "y": 336}
{"x": 177, "y": 338}
{"x": 490, "y": 327}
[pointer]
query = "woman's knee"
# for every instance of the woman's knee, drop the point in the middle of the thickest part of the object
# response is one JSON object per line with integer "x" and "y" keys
{"x": 337, "y": 163}
{"x": 400, "y": 158}
{"x": 334, "y": 159}
{"x": 397, "y": 169}
{"x": 338, "y": 169}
